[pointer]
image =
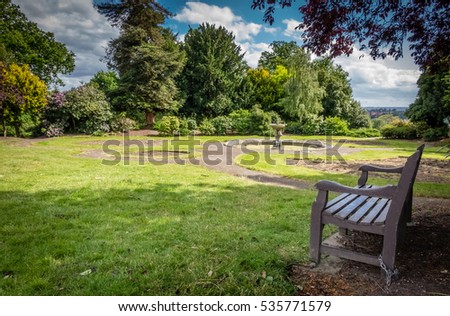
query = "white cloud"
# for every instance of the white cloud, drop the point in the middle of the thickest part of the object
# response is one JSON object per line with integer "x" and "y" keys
{"x": 291, "y": 30}
{"x": 198, "y": 12}
{"x": 78, "y": 25}
{"x": 271, "y": 30}
{"x": 253, "y": 52}
{"x": 380, "y": 82}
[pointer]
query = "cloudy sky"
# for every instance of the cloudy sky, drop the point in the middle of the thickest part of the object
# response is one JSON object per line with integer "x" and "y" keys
{"x": 77, "y": 24}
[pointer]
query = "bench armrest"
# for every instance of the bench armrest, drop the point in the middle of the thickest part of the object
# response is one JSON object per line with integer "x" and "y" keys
{"x": 381, "y": 169}
{"x": 386, "y": 191}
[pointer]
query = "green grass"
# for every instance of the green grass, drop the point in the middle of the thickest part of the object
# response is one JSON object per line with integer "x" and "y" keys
{"x": 73, "y": 226}
{"x": 141, "y": 230}
{"x": 257, "y": 161}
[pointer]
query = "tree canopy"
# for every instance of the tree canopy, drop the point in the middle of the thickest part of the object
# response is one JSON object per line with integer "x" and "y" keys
{"x": 381, "y": 27}
{"x": 146, "y": 56}
{"x": 214, "y": 70}
{"x": 22, "y": 42}
{"x": 21, "y": 92}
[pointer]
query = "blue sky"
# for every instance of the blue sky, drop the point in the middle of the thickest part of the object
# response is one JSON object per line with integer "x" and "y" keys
{"x": 86, "y": 33}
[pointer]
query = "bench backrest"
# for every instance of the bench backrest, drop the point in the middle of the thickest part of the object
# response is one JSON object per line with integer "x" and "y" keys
{"x": 404, "y": 186}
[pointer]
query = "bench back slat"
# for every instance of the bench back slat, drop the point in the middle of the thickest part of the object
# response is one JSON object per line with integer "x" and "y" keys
{"x": 405, "y": 186}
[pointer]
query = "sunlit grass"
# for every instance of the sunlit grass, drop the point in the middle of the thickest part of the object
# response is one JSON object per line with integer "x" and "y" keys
{"x": 72, "y": 226}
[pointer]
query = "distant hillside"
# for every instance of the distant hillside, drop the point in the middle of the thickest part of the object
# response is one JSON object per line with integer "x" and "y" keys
{"x": 375, "y": 112}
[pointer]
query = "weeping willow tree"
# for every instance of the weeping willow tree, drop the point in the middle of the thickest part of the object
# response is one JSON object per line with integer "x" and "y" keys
{"x": 303, "y": 92}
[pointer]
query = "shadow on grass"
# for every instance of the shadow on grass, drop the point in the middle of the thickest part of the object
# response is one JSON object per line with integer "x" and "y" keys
{"x": 205, "y": 239}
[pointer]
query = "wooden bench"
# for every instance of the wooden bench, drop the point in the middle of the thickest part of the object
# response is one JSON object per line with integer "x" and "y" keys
{"x": 377, "y": 210}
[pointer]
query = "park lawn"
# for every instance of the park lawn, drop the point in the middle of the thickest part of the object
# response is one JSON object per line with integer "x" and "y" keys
{"x": 275, "y": 163}
{"x": 73, "y": 226}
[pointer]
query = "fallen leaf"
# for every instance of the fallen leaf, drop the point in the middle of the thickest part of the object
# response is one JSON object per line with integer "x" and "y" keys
{"x": 88, "y": 271}
{"x": 210, "y": 273}
{"x": 264, "y": 274}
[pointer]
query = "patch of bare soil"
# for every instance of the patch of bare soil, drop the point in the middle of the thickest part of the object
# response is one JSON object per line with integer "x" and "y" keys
{"x": 423, "y": 260}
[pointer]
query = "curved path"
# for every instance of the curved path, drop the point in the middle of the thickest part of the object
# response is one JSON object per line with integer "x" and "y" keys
{"x": 224, "y": 161}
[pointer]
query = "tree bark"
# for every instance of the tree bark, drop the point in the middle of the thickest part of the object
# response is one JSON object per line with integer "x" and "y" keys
{"x": 149, "y": 119}
{"x": 4, "y": 129}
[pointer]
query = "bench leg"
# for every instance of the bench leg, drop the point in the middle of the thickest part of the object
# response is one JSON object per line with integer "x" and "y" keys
{"x": 316, "y": 228}
{"x": 389, "y": 251}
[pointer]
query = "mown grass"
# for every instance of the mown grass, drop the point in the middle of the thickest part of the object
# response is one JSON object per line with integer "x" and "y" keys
{"x": 276, "y": 163}
{"x": 72, "y": 226}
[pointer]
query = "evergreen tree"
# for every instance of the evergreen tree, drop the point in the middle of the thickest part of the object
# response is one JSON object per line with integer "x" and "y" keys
{"x": 146, "y": 56}
{"x": 214, "y": 71}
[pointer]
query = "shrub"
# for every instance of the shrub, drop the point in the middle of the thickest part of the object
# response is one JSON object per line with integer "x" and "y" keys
{"x": 206, "y": 127}
{"x": 255, "y": 121}
{"x": 399, "y": 129}
{"x": 222, "y": 124}
{"x": 335, "y": 126}
{"x": 168, "y": 125}
{"x": 434, "y": 134}
{"x": 260, "y": 121}
{"x": 309, "y": 126}
{"x": 240, "y": 121}
{"x": 364, "y": 132}
{"x": 122, "y": 123}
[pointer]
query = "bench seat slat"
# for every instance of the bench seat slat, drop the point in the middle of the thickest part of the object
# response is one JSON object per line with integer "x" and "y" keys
{"x": 330, "y": 210}
{"x": 368, "y": 219}
{"x": 363, "y": 210}
{"x": 351, "y": 207}
{"x": 382, "y": 217}
{"x": 341, "y": 197}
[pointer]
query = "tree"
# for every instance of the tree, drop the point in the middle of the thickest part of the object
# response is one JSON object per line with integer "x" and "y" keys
{"x": 281, "y": 53}
{"x": 146, "y": 56}
{"x": 430, "y": 105}
{"x": 268, "y": 88}
{"x": 335, "y": 27}
{"x": 338, "y": 92}
{"x": 21, "y": 93}
{"x": 214, "y": 71}
{"x": 106, "y": 81}
{"x": 303, "y": 92}
{"x": 24, "y": 43}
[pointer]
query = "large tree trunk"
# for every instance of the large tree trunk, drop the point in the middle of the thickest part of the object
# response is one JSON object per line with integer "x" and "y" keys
{"x": 149, "y": 119}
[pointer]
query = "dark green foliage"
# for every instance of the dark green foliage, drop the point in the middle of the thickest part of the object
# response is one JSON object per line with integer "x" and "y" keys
{"x": 187, "y": 126}
{"x": 434, "y": 134}
{"x": 24, "y": 43}
{"x": 253, "y": 122}
{"x": 222, "y": 124}
{"x": 335, "y": 126}
{"x": 430, "y": 105}
{"x": 214, "y": 71}
{"x": 311, "y": 125}
{"x": 356, "y": 116}
{"x": 146, "y": 56}
{"x": 338, "y": 92}
{"x": 106, "y": 81}
{"x": 148, "y": 71}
